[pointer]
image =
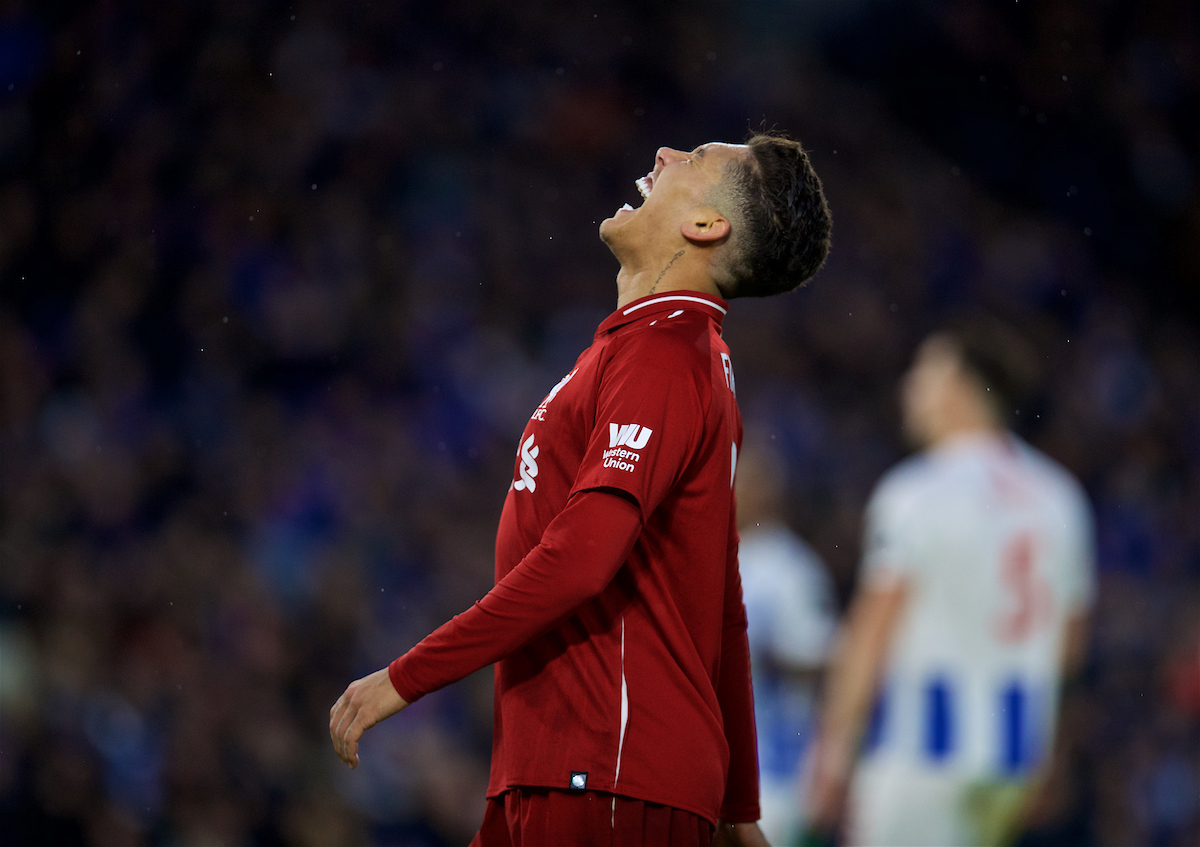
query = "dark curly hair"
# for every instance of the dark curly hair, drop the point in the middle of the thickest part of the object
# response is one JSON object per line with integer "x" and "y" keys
{"x": 1005, "y": 361}
{"x": 781, "y": 222}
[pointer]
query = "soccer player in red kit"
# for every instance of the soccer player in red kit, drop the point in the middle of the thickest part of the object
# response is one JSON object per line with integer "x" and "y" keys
{"x": 624, "y": 714}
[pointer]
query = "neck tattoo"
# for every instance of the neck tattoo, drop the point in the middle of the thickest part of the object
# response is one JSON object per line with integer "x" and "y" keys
{"x": 664, "y": 272}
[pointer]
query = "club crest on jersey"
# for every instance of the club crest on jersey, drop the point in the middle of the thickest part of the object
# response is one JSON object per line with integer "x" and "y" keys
{"x": 529, "y": 468}
{"x": 623, "y": 442}
{"x": 540, "y": 413}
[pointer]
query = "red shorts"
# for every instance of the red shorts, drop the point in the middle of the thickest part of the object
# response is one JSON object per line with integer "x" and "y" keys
{"x": 546, "y": 817}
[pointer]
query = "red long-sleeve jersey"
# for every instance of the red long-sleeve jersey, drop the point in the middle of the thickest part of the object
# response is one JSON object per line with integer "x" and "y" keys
{"x": 617, "y": 622}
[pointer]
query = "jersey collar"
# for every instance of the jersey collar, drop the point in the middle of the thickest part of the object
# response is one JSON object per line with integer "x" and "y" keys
{"x": 653, "y": 304}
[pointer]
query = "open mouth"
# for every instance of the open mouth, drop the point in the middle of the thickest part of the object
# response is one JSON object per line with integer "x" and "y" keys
{"x": 645, "y": 186}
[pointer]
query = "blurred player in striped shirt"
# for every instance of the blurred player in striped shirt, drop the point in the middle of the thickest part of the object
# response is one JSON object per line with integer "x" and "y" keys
{"x": 976, "y": 580}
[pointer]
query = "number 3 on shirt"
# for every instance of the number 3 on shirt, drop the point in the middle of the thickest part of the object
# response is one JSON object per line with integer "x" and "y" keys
{"x": 1027, "y": 597}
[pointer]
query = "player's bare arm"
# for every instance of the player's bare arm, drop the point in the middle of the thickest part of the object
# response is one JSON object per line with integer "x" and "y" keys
{"x": 364, "y": 703}
{"x": 1074, "y": 652}
{"x": 857, "y": 665}
{"x": 1075, "y": 643}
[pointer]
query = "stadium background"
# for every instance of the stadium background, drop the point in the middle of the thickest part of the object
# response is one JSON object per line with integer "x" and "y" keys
{"x": 280, "y": 283}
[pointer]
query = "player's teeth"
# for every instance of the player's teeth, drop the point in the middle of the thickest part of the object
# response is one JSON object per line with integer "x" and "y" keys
{"x": 643, "y": 186}
{"x": 627, "y": 208}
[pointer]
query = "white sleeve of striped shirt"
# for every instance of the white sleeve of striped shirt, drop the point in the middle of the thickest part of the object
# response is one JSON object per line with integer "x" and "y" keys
{"x": 888, "y": 554}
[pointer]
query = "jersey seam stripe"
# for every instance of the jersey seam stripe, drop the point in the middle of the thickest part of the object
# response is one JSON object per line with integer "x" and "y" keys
{"x": 624, "y": 708}
{"x": 677, "y": 296}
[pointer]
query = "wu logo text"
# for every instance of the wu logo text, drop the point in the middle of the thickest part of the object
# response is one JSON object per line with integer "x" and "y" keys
{"x": 628, "y": 435}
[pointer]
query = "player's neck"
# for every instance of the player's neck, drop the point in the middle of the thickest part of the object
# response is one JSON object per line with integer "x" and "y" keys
{"x": 684, "y": 270}
{"x": 964, "y": 431}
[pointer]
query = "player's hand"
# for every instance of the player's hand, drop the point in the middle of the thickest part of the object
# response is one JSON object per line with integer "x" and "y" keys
{"x": 739, "y": 835}
{"x": 364, "y": 703}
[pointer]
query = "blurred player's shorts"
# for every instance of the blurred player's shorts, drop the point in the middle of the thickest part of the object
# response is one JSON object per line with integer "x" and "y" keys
{"x": 909, "y": 807}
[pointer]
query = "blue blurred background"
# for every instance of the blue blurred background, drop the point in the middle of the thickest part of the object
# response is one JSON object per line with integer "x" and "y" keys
{"x": 281, "y": 282}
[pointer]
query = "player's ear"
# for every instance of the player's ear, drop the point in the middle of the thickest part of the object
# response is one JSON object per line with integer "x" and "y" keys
{"x": 705, "y": 226}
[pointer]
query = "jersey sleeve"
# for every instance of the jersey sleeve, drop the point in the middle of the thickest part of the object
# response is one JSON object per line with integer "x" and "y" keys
{"x": 650, "y": 412}
{"x": 580, "y": 552}
{"x": 888, "y": 554}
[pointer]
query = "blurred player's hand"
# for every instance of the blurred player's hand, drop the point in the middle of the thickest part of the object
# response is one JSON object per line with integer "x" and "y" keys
{"x": 364, "y": 703}
{"x": 827, "y": 803}
{"x": 828, "y": 786}
{"x": 739, "y": 835}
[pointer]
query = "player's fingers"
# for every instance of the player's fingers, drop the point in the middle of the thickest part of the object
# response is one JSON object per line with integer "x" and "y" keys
{"x": 353, "y": 733}
{"x": 350, "y": 733}
{"x": 339, "y": 707}
{"x": 344, "y": 720}
{"x": 335, "y": 719}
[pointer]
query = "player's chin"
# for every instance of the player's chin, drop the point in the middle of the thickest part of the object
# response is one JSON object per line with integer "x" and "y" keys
{"x": 618, "y": 219}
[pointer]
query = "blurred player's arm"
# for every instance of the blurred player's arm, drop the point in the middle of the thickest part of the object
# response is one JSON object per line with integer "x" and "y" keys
{"x": 1075, "y": 644}
{"x": 579, "y": 554}
{"x": 1081, "y": 594}
{"x": 1080, "y": 597}
{"x": 854, "y": 674}
{"x": 1074, "y": 654}
{"x": 738, "y": 826}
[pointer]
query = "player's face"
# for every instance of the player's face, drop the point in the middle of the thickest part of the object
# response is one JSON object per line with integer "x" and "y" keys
{"x": 678, "y": 184}
{"x": 926, "y": 389}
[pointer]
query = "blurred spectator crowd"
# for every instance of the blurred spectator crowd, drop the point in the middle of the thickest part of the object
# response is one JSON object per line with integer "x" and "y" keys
{"x": 281, "y": 282}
